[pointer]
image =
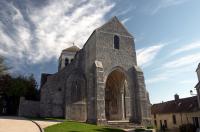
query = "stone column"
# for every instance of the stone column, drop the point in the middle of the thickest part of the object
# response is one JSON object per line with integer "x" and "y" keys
{"x": 123, "y": 111}
{"x": 122, "y": 102}
{"x": 100, "y": 93}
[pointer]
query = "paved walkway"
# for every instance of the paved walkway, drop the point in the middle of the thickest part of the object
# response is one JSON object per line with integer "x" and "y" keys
{"x": 16, "y": 124}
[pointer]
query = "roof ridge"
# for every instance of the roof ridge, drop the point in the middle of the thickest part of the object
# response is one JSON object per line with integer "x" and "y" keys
{"x": 176, "y": 100}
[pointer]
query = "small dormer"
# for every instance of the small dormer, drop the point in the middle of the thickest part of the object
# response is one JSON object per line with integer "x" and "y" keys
{"x": 67, "y": 56}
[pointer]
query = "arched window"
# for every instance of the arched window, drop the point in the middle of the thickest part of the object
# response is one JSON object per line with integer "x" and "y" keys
{"x": 66, "y": 61}
{"x": 116, "y": 42}
{"x": 76, "y": 91}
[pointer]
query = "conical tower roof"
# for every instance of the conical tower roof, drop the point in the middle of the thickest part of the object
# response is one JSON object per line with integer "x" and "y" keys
{"x": 73, "y": 48}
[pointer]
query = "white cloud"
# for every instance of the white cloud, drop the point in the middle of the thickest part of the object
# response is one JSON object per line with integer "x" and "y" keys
{"x": 188, "y": 82}
{"x": 167, "y": 3}
{"x": 187, "y": 60}
{"x": 146, "y": 55}
{"x": 187, "y": 47}
{"x": 156, "y": 79}
{"x": 51, "y": 28}
{"x": 125, "y": 20}
{"x": 122, "y": 12}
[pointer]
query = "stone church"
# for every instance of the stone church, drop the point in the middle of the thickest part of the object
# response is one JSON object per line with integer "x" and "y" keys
{"x": 100, "y": 82}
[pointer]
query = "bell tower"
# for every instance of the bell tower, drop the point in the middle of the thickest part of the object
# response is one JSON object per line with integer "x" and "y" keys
{"x": 67, "y": 56}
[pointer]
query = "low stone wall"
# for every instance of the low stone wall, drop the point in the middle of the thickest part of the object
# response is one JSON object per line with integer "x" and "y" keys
{"x": 29, "y": 108}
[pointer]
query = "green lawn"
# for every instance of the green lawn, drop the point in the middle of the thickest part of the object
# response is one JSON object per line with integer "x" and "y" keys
{"x": 70, "y": 126}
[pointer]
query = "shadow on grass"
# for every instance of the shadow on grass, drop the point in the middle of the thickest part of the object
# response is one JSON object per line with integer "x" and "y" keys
{"x": 104, "y": 130}
{"x": 108, "y": 130}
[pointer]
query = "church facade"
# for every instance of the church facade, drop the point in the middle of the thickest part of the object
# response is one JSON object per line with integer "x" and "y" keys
{"x": 100, "y": 83}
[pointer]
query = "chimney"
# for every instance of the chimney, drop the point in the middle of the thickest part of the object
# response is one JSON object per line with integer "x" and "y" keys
{"x": 176, "y": 97}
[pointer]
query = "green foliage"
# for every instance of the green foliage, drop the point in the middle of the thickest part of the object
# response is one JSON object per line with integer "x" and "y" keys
{"x": 69, "y": 126}
{"x": 3, "y": 67}
{"x": 150, "y": 127}
{"x": 12, "y": 88}
{"x": 19, "y": 86}
{"x": 187, "y": 128}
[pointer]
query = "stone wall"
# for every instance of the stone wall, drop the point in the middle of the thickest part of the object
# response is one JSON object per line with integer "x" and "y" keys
{"x": 28, "y": 108}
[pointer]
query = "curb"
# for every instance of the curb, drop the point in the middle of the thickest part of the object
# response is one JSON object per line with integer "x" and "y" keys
{"x": 41, "y": 129}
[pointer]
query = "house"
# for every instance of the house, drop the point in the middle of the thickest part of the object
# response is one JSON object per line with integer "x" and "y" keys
{"x": 177, "y": 112}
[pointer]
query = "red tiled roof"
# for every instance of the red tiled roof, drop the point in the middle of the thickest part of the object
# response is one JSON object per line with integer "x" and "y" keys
{"x": 176, "y": 106}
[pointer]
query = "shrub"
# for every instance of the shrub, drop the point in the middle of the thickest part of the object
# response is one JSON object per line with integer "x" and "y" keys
{"x": 187, "y": 128}
{"x": 150, "y": 127}
{"x": 142, "y": 130}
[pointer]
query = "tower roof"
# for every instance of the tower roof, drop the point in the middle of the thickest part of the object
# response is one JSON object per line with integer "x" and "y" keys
{"x": 72, "y": 49}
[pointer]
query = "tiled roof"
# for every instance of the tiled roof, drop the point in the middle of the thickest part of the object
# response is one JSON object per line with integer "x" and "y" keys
{"x": 72, "y": 49}
{"x": 176, "y": 106}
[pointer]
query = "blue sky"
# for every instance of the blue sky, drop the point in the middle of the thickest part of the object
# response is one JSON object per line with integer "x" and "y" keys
{"x": 166, "y": 32}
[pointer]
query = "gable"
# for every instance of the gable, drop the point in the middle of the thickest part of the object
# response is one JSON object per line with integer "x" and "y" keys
{"x": 114, "y": 26}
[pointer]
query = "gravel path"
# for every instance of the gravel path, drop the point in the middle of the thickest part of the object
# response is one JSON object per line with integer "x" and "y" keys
{"x": 17, "y": 124}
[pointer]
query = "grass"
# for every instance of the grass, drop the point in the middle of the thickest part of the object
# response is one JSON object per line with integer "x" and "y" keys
{"x": 46, "y": 118}
{"x": 70, "y": 126}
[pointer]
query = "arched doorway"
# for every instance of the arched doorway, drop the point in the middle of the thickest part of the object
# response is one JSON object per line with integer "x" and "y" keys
{"x": 115, "y": 96}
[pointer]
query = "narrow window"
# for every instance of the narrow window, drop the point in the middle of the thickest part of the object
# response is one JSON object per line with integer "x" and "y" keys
{"x": 76, "y": 91}
{"x": 165, "y": 123}
{"x": 59, "y": 89}
{"x": 66, "y": 61}
{"x": 174, "y": 119}
{"x": 116, "y": 42}
{"x": 155, "y": 122}
{"x": 161, "y": 124}
{"x": 154, "y": 116}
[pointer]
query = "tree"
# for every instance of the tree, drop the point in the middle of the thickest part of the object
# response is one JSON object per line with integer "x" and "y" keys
{"x": 12, "y": 88}
{"x": 3, "y": 68}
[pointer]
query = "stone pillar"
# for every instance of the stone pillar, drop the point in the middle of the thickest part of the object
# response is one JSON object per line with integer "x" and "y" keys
{"x": 100, "y": 93}
{"x": 122, "y": 100}
{"x": 123, "y": 109}
{"x": 143, "y": 103}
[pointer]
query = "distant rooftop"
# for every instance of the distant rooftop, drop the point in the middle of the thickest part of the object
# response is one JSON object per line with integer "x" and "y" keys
{"x": 189, "y": 104}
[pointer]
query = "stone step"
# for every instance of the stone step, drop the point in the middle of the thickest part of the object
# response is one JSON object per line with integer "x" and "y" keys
{"x": 123, "y": 124}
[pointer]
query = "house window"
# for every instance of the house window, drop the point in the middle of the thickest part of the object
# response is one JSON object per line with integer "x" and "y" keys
{"x": 154, "y": 116}
{"x": 174, "y": 119}
{"x": 160, "y": 123}
{"x": 165, "y": 123}
{"x": 195, "y": 121}
{"x": 116, "y": 42}
{"x": 155, "y": 122}
{"x": 66, "y": 61}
